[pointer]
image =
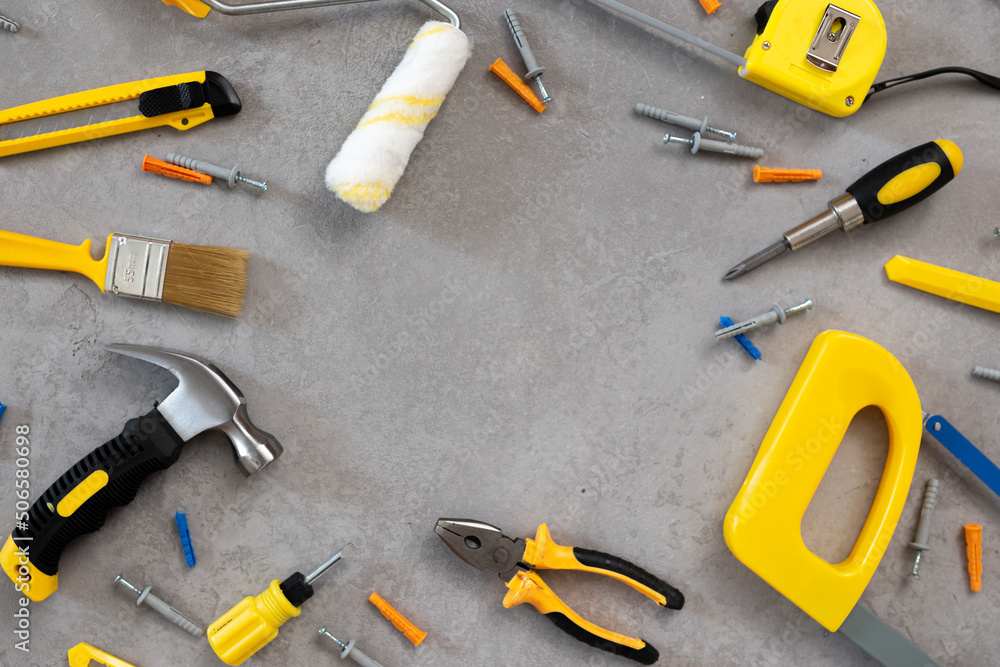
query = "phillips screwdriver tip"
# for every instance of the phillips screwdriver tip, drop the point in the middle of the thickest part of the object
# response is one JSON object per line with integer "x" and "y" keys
{"x": 752, "y": 262}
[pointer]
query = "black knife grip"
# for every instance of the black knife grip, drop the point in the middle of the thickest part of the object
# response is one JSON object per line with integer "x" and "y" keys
{"x": 146, "y": 445}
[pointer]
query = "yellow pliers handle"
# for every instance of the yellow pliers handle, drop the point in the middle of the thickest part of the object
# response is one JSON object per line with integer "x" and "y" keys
{"x": 529, "y": 587}
{"x": 544, "y": 554}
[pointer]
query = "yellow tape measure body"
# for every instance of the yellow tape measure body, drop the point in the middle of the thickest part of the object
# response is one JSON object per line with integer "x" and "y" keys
{"x": 822, "y": 55}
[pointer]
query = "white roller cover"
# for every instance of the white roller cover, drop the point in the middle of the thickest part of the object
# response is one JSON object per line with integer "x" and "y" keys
{"x": 373, "y": 158}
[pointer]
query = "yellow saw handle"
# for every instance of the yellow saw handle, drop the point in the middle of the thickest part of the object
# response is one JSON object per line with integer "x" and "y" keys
{"x": 34, "y": 253}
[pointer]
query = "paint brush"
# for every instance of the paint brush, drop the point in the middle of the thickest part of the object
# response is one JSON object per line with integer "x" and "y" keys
{"x": 204, "y": 278}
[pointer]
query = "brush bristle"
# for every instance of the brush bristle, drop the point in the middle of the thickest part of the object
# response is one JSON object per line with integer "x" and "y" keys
{"x": 206, "y": 278}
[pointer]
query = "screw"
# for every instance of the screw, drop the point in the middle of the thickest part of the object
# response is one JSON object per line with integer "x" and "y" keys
{"x": 231, "y": 176}
{"x": 683, "y": 121}
{"x": 849, "y": 101}
{"x": 8, "y": 24}
{"x": 776, "y": 314}
{"x": 766, "y": 45}
{"x": 324, "y": 633}
{"x": 165, "y": 610}
{"x": 920, "y": 539}
{"x": 986, "y": 373}
{"x": 350, "y": 650}
{"x": 697, "y": 143}
{"x": 996, "y": 232}
{"x": 546, "y": 98}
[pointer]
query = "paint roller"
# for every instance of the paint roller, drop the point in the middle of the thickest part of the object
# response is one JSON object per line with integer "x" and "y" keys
{"x": 373, "y": 158}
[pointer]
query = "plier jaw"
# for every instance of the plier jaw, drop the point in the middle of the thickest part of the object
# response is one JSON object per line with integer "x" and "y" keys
{"x": 482, "y": 545}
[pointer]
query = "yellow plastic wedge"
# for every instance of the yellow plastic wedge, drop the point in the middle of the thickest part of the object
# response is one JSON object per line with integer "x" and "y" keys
{"x": 841, "y": 375}
{"x": 954, "y": 285}
{"x": 34, "y": 253}
{"x": 192, "y": 7}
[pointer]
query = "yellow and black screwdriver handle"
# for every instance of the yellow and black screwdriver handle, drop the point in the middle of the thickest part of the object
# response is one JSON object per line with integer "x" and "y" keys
{"x": 908, "y": 178}
{"x": 543, "y": 553}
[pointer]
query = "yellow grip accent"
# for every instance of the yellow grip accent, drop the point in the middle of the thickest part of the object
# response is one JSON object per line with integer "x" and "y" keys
{"x": 953, "y": 152}
{"x": 27, "y": 578}
{"x": 842, "y": 374}
{"x": 81, "y": 655}
{"x": 544, "y": 554}
{"x": 529, "y": 587}
{"x": 192, "y": 7}
{"x": 71, "y": 502}
{"x": 250, "y": 625}
{"x": 911, "y": 182}
{"x": 947, "y": 283}
{"x": 34, "y": 253}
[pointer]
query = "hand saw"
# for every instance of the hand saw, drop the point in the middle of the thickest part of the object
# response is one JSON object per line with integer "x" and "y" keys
{"x": 181, "y": 101}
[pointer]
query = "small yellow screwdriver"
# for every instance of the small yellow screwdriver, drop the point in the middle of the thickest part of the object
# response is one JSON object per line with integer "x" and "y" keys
{"x": 892, "y": 187}
{"x": 251, "y": 624}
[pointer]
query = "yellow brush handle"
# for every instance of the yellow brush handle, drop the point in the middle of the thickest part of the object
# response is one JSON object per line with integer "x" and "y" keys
{"x": 947, "y": 283}
{"x": 34, "y": 253}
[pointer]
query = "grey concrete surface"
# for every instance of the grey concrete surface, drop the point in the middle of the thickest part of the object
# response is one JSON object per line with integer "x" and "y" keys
{"x": 523, "y": 334}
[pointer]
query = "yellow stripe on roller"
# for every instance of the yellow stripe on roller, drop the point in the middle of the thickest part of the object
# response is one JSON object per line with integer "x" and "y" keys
{"x": 434, "y": 31}
{"x": 909, "y": 183}
{"x": 96, "y": 481}
{"x": 400, "y": 117}
{"x": 412, "y": 100}
{"x": 366, "y": 197}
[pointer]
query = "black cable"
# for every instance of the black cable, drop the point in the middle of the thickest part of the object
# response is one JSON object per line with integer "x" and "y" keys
{"x": 989, "y": 80}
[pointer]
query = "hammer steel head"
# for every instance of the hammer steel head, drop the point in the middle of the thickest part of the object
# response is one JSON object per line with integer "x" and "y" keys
{"x": 206, "y": 400}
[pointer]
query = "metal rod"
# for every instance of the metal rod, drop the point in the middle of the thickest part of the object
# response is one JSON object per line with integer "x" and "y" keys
{"x": 321, "y": 570}
{"x": 676, "y": 32}
{"x": 284, "y": 5}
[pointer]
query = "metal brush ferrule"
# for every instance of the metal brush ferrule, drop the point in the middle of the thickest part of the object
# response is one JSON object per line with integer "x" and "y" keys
{"x": 136, "y": 266}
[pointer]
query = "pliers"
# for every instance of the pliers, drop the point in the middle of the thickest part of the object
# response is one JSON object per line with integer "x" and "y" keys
{"x": 485, "y": 547}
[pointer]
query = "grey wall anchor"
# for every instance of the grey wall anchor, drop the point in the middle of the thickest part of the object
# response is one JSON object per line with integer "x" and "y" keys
{"x": 231, "y": 176}
{"x": 697, "y": 143}
{"x": 923, "y": 527}
{"x": 534, "y": 71}
{"x": 161, "y": 607}
{"x": 681, "y": 120}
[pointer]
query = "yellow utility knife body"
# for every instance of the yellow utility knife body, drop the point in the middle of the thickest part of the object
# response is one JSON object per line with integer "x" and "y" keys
{"x": 842, "y": 374}
{"x": 181, "y": 101}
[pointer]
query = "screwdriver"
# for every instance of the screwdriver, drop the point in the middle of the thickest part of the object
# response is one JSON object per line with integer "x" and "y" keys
{"x": 251, "y": 624}
{"x": 892, "y": 187}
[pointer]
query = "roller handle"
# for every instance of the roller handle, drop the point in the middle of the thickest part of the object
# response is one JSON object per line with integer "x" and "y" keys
{"x": 910, "y": 177}
{"x": 597, "y": 560}
{"x": 522, "y": 45}
{"x": 78, "y": 502}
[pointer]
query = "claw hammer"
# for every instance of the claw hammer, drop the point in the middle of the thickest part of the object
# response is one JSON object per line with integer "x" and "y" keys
{"x": 78, "y": 502}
